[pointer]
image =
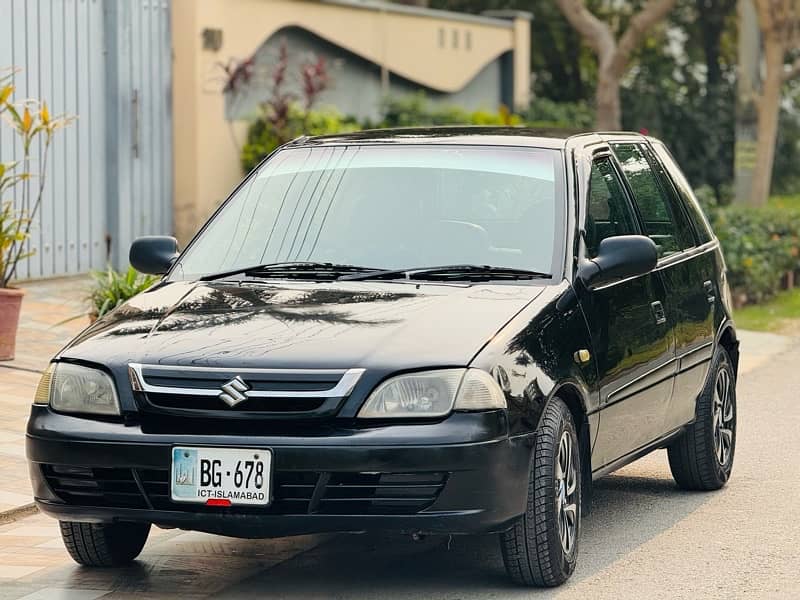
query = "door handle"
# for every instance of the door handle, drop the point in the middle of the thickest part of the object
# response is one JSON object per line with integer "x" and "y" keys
{"x": 658, "y": 312}
{"x": 709, "y": 289}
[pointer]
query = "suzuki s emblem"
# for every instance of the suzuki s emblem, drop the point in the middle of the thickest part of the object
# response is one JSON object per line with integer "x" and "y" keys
{"x": 234, "y": 391}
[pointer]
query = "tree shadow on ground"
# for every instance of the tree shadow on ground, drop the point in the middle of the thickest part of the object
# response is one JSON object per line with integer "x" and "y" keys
{"x": 629, "y": 509}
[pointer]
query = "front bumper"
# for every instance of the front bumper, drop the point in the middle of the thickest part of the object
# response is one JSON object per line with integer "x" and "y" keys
{"x": 461, "y": 475}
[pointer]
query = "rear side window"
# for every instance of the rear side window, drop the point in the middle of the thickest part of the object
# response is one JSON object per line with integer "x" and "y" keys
{"x": 693, "y": 209}
{"x": 663, "y": 219}
{"x": 608, "y": 212}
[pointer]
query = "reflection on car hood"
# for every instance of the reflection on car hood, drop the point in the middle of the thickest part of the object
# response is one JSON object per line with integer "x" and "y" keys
{"x": 303, "y": 325}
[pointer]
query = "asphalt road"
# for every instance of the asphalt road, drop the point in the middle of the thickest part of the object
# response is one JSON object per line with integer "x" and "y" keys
{"x": 643, "y": 539}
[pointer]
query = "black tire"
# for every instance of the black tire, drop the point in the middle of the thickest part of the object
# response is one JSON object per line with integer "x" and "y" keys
{"x": 695, "y": 458}
{"x": 533, "y": 552}
{"x": 104, "y": 544}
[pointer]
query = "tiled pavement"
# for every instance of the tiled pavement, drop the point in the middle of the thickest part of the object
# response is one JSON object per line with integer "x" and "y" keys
{"x": 41, "y": 334}
{"x": 35, "y": 565}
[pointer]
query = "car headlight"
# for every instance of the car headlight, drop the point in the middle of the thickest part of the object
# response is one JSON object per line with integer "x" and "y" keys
{"x": 74, "y": 389}
{"x": 433, "y": 394}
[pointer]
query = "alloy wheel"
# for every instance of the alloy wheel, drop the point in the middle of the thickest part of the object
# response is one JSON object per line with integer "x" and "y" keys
{"x": 723, "y": 417}
{"x": 566, "y": 492}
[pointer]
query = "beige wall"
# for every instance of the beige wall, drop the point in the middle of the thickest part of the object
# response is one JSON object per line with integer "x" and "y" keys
{"x": 207, "y": 147}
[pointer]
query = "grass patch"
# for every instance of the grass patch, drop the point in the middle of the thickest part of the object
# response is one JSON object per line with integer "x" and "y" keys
{"x": 781, "y": 314}
{"x": 791, "y": 202}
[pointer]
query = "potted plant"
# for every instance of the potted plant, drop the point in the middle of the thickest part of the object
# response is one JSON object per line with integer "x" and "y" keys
{"x": 32, "y": 123}
{"x": 111, "y": 288}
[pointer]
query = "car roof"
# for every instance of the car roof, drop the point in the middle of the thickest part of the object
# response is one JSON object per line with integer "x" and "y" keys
{"x": 475, "y": 135}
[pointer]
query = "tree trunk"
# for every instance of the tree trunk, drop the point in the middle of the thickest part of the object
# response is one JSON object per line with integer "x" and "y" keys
{"x": 609, "y": 107}
{"x": 769, "y": 106}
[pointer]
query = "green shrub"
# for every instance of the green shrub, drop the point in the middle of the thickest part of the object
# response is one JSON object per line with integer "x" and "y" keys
{"x": 415, "y": 110}
{"x": 407, "y": 111}
{"x": 263, "y": 138}
{"x": 574, "y": 116}
{"x": 761, "y": 245}
{"x": 111, "y": 288}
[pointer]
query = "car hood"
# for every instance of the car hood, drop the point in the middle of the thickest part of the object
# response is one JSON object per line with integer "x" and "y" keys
{"x": 302, "y": 324}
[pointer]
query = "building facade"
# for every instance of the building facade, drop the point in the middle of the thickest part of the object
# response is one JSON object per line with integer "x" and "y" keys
{"x": 156, "y": 142}
{"x": 375, "y": 49}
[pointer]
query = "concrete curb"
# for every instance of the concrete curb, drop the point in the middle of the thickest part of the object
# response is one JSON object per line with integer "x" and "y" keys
{"x": 20, "y": 512}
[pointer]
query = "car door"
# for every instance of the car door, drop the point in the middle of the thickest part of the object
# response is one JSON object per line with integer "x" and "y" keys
{"x": 693, "y": 275}
{"x": 686, "y": 270}
{"x": 629, "y": 326}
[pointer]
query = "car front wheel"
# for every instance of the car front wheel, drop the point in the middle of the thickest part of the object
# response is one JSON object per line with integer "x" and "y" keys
{"x": 542, "y": 546}
{"x": 104, "y": 544}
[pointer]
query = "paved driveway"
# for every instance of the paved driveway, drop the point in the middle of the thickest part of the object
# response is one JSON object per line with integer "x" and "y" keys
{"x": 644, "y": 538}
{"x": 42, "y": 333}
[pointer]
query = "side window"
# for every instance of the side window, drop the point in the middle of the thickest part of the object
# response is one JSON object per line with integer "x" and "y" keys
{"x": 696, "y": 213}
{"x": 664, "y": 221}
{"x": 608, "y": 211}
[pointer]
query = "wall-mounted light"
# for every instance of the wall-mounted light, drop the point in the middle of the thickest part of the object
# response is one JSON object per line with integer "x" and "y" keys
{"x": 212, "y": 39}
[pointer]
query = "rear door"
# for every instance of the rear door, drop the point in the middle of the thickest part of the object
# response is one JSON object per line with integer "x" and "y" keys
{"x": 698, "y": 272}
{"x": 686, "y": 268}
{"x": 629, "y": 326}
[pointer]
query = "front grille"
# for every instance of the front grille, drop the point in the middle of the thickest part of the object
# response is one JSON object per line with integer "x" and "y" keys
{"x": 294, "y": 492}
{"x": 380, "y": 493}
{"x": 206, "y": 392}
{"x": 212, "y": 403}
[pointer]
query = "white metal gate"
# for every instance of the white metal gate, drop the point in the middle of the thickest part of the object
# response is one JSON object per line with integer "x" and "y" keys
{"x": 109, "y": 175}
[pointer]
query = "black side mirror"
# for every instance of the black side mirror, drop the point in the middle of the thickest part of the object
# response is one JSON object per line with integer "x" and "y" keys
{"x": 153, "y": 254}
{"x": 617, "y": 258}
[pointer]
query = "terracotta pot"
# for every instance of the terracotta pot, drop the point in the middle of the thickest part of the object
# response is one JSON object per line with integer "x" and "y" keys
{"x": 10, "y": 304}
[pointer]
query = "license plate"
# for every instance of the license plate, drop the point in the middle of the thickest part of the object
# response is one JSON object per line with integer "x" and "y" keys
{"x": 221, "y": 476}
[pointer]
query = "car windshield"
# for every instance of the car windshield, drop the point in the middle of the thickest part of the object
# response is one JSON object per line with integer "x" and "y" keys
{"x": 389, "y": 207}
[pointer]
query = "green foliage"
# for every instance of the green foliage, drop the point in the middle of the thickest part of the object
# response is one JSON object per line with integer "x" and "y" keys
{"x": 761, "y": 245}
{"x": 669, "y": 98}
{"x": 785, "y": 174}
{"x": 12, "y": 226}
{"x": 263, "y": 138}
{"x": 415, "y": 110}
{"x": 34, "y": 126}
{"x": 543, "y": 112}
{"x": 408, "y": 111}
{"x": 111, "y": 288}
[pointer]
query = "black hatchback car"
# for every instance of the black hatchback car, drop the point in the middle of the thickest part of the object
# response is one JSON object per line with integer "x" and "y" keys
{"x": 429, "y": 331}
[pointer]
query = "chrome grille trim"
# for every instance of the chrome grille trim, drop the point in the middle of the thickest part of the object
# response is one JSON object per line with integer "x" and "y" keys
{"x": 343, "y": 388}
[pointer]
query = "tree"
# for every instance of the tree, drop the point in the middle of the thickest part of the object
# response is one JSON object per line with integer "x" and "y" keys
{"x": 613, "y": 55}
{"x": 779, "y": 22}
{"x": 717, "y": 109}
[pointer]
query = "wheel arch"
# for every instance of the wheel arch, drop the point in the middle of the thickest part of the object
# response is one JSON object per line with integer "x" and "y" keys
{"x": 727, "y": 339}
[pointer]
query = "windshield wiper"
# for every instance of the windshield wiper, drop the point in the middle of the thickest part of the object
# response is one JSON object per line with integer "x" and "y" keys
{"x": 293, "y": 269}
{"x": 451, "y": 273}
